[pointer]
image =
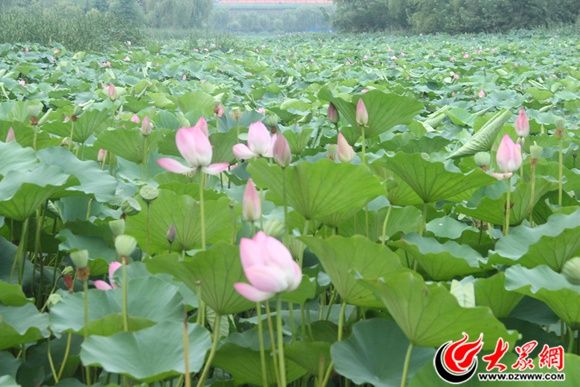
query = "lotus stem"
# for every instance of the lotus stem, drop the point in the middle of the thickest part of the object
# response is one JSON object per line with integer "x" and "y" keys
{"x": 364, "y": 146}
{"x": 51, "y": 364}
{"x": 272, "y": 341}
{"x": 186, "y": 352}
{"x": 532, "y": 190}
{"x": 125, "y": 295}
{"x": 385, "y": 222}
{"x": 406, "y": 365}
{"x": 20, "y": 252}
{"x": 506, "y": 227}
{"x": 216, "y": 337}
{"x": 261, "y": 343}
{"x": 281, "y": 361}
{"x": 86, "y": 323}
{"x": 284, "y": 199}
{"x": 341, "y": 318}
{"x": 66, "y": 353}
{"x": 570, "y": 340}
{"x": 202, "y": 210}
{"x": 72, "y": 132}
{"x": 560, "y": 174}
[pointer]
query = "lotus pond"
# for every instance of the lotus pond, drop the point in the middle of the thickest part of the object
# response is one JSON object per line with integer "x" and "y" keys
{"x": 308, "y": 210}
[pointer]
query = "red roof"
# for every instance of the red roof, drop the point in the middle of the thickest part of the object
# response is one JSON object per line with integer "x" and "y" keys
{"x": 273, "y": 2}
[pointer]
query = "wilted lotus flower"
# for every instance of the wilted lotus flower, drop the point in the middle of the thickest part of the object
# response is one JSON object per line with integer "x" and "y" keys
{"x": 135, "y": 119}
{"x": 509, "y": 155}
{"x": 268, "y": 266}
{"x": 193, "y": 144}
{"x": 362, "y": 115}
{"x": 219, "y": 110}
{"x": 102, "y": 285}
{"x": 260, "y": 143}
{"x": 146, "y": 126}
{"x": 111, "y": 91}
{"x": 344, "y": 151}
{"x": 251, "y": 205}
{"x": 522, "y": 124}
{"x": 281, "y": 151}
{"x": 332, "y": 113}
{"x": 10, "y": 136}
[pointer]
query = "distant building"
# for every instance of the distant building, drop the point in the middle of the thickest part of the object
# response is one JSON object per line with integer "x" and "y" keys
{"x": 248, "y": 5}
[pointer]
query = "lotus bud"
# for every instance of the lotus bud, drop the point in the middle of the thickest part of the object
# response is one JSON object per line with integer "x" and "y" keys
{"x": 522, "y": 124}
{"x": 135, "y": 119}
{"x": 482, "y": 93}
{"x": 332, "y": 113}
{"x": 10, "y": 136}
{"x": 125, "y": 245}
{"x": 509, "y": 155}
{"x": 101, "y": 155}
{"x": 80, "y": 258}
{"x": 251, "y": 205}
{"x": 571, "y": 270}
{"x": 117, "y": 227}
{"x": 362, "y": 115}
{"x": 482, "y": 159}
{"x": 171, "y": 234}
{"x": 536, "y": 151}
{"x": 281, "y": 151}
{"x": 146, "y": 126}
{"x": 53, "y": 299}
{"x": 149, "y": 193}
{"x": 345, "y": 153}
{"x": 112, "y": 91}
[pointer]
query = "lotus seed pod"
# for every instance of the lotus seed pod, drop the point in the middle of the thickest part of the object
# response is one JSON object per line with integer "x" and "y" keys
{"x": 117, "y": 227}
{"x": 53, "y": 299}
{"x": 149, "y": 193}
{"x": 272, "y": 121}
{"x": 68, "y": 270}
{"x": 571, "y": 270}
{"x": 274, "y": 227}
{"x": 80, "y": 258}
{"x": 482, "y": 159}
{"x": 125, "y": 245}
{"x": 536, "y": 151}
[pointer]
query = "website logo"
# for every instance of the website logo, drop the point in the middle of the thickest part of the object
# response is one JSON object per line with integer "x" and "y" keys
{"x": 456, "y": 361}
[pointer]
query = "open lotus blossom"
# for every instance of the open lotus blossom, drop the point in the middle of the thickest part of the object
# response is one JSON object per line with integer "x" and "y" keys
{"x": 102, "y": 285}
{"x": 344, "y": 151}
{"x": 509, "y": 155}
{"x": 522, "y": 124}
{"x": 268, "y": 266}
{"x": 251, "y": 205}
{"x": 10, "y": 136}
{"x": 193, "y": 144}
{"x": 260, "y": 143}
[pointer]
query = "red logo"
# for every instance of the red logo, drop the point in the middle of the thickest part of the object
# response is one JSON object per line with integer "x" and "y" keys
{"x": 456, "y": 361}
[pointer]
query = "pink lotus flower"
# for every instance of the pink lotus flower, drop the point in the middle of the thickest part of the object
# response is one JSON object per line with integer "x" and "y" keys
{"x": 251, "y": 205}
{"x": 193, "y": 144}
{"x": 22, "y": 82}
{"x": 260, "y": 143}
{"x": 261, "y": 110}
{"x": 135, "y": 119}
{"x": 146, "y": 126}
{"x": 269, "y": 268}
{"x": 10, "y": 136}
{"x": 362, "y": 115}
{"x": 332, "y": 113}
{"x": 344, "y": 152}
{"x": 522, "y": 124}
{"x": 482, "y": 93}
{"x": 466, "y": 56}
{"x": 111, "y": 91}
{"x": 281, "y": 151}
{"x": 101, "y": 155}
{"x": 102, "y": 285}
{"x": 509, "y": 155}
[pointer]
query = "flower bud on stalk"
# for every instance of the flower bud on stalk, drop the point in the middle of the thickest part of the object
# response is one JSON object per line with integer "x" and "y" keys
{"x": 146, "y": 126}
{"x": 332, "y": 113}
{"x": 362, "y": 115}
{"x": 171, "y": 234}
{"x": 281, "y": 151}
{"x": 80, "y": 259}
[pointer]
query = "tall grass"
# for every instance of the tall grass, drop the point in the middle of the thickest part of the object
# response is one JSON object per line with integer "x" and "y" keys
{"x": 75, "y": 30}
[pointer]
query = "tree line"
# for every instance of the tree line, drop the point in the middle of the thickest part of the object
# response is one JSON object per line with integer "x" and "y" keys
{"x": 452, "y": 16}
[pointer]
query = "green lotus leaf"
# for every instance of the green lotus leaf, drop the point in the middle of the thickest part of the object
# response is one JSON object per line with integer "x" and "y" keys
{"x": 552, "y": 243}
{"x": 544, "y": 284}
{"x": 323, "y": 191}
{"x": 149, "y": 355}
{"x": 345, "y": 259}
{"x": 491, "y": 292}
{"x": 361, "y": 357}
{"x": 21, "y": 324}
{"x": 430, "y": 315}
{"x": 11, "y": 294}
{"x": 16, "y": 158}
